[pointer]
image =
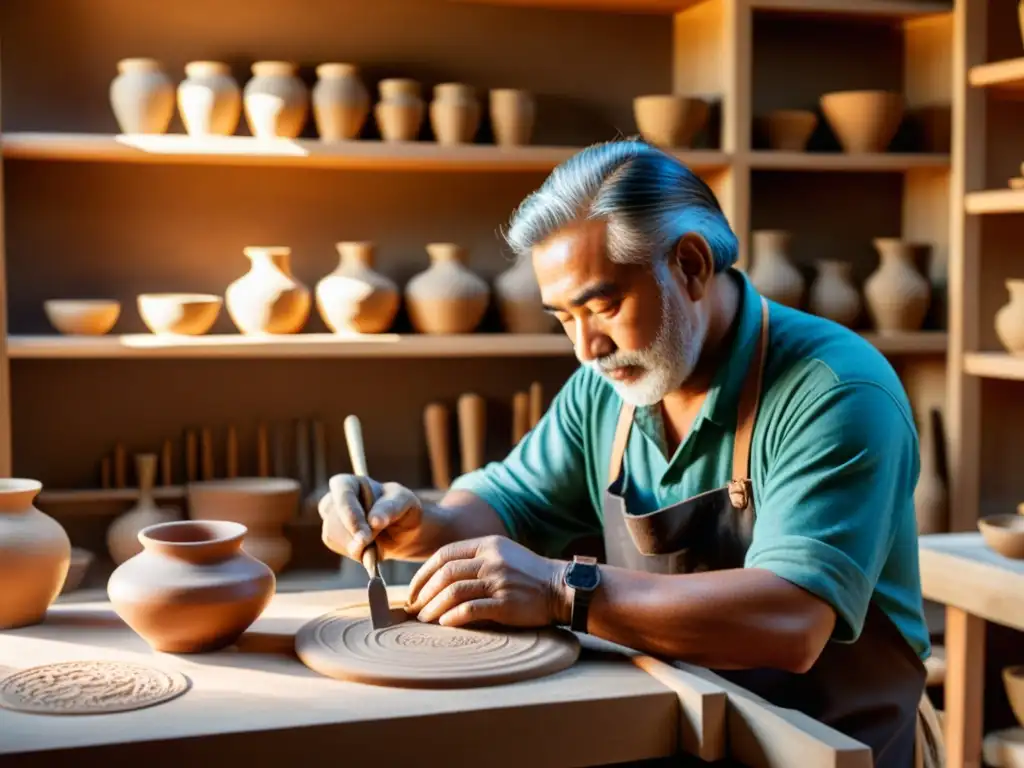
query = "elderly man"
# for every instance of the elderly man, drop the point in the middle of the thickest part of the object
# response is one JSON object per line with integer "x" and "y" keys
{"x": 750, "y": 467}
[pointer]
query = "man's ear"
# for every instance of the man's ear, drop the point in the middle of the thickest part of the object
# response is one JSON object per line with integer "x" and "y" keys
{"x": 692, "y": 257}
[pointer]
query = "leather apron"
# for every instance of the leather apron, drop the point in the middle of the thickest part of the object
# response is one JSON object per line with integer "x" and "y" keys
{"x": 870, "y": 689}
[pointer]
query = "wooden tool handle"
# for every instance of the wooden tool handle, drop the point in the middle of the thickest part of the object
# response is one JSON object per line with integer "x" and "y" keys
{"x": 145, "y": 472}
{"x": 435, "y": 424}
{"x": 472, "y": 430}
{"x": 536, "y": 403}
{"x": 356, "y": 450}
{"x": 190, "y": 456}
{"x": 262, "y": 451}
{"x": 302, "y": 454}
{"x": 319, "y": 454}
{"x": 520, "y": 416}
{"x": 231, "y": 452}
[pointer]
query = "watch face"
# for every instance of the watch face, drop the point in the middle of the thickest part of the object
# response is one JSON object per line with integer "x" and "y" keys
{"x": 582, "y": 576}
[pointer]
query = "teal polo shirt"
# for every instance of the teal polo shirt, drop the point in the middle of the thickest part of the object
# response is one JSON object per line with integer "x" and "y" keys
{"x": 834, "y": 463}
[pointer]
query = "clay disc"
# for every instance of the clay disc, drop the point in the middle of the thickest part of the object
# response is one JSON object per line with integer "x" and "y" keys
{"x": 411, "y": 654}
{"x": 89, "y": 688}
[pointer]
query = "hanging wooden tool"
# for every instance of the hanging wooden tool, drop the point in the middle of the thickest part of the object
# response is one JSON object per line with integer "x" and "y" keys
{"x": 435, "y": 425}
{"x": 472, "y": 413}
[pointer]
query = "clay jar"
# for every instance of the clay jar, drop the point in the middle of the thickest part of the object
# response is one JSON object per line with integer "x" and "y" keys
{"x": 209, "y": 99}
{"x": 35, "y": 555}
{"x": 519, "y": 301}
{"x": 192, "y": 588}
{"x": 789, "y": 129}
{"x": 1010, "y": 319}
{"x": 897, "y": 294}
{"x": 773, "y": 275}
{"x": 863, "y": 121}
{"x": 142, "y": 96}
{"x": 268, "y": 298}
{"x": 454, "y": 114}
{"x": 668, "y": 120}
{"x": 123, "y": 533}
{"x": 341, "y": 102}
{"x": 276, "y": 100}
{"x": 354, "y": 298}
{"x": 399, "y": 113}
{"x": 447, "y": 297}
{"x": 931, "y": 500}
{"x": 513, "y": 113}
{"x": 833, "y": 294}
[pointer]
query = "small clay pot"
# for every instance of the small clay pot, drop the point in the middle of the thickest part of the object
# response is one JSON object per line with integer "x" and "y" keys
{"x": 355, "y": 298}
{"x": 81, "y": 560}
{"x": 268, "y": 299}
{"x": 864, "y": 121}
{"x": 82, "y": 317}
{"x": 668, "y": 120}
{"x": 1010, "y": 319}
{"x": 276, "y": 101}
{"x": 789, "y": 130}
{"x": 897, "y": 294}
{"x": 399, "y": 113}
{"x": 186, "y": 314}
{"x": 519, "y": 300}
{"x": 513, "y": 113}
{"x": 142, "y": 97}
{"x": 1004, "y": 534}
{"x": 341, "y": 102}
{"x": 773, "y": 274}
{"x": 209, "y": 99}
{"x": 454, "y": 114}
{"x": 833, "y": 294}
{"x": 447, "y": 297}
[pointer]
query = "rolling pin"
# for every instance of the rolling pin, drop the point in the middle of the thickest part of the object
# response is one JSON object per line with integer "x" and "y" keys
{"x": 520, "y": 417}
{"x": 472, "y": 414}
{"x": 435, "y": 424}
{"x": 536, "y": 403}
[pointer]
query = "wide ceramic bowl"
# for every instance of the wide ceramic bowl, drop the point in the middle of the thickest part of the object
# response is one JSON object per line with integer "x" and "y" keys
{"x": 187, "y": 314}
{"x": 668, "y": 120}
{"x": 864, "y": 121}
{"x": 789, "y": 129}
{"x": 1004, "y": 534}
{"x": 82, "y": 317}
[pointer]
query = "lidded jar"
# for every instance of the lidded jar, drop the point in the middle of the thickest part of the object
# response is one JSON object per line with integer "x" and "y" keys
{"x": 276, "y": 100}
{"x": 341, "y": 102}
{"x": 209, "y": 99}
{"x": 142, "y": 96}
{"x": 447, "y": 297}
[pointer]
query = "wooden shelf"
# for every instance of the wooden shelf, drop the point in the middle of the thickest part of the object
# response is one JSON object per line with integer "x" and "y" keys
{"x": 995, "y": 365}
{"x": 1005, "y": 77}
{"x": 311, "y": 153}
{"x": 160, "y": 493}
{"x": 897, "y": 9}
{"x": 995, "y": 201}
{"x": 836, "y": 161}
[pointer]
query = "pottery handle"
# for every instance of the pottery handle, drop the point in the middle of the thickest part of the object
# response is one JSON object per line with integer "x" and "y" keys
{"x": 472, "y": 423}
{"x": 319, "y": 454}
{"x": 435, "y": 424}
{"x": 520, "y": 416}
{"x": 536, "y": 403}
{"x": 356, "y": 450}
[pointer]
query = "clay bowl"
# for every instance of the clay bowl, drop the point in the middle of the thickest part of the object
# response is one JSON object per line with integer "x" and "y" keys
{"x": 82, "y": 317}
{"x": 1004, "y": 534}
{"x": 864, "y": 121}
{"x": 1013, "y": 681}
{"x": 81, "y": 559}
{"x": 668, "y": 120}
{"x": 187, "y": 314}
{"x": 790, "y": 129}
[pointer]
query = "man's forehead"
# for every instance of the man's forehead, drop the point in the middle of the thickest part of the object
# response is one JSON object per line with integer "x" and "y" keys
{"x": 577, "y": 248}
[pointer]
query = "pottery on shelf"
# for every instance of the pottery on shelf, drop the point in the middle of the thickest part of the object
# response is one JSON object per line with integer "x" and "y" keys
{"x": 669, "y": 120}
{"x": 81, "y": 560}
{"x": 519, "y": 301}
{"x": 209, "y": 99}
{"x": 276, "y": 100}
{"x": 773, "y": 274}
{"x": 142, "y": 96}
{"x": 123, "y": 533}
{"x": 399, "y": 113}
{"x": 262, "y": 504}
{"x": 35, "y": 555}
{"x": 341, "y": 102}
{"x": 1004, "y": 534}
{"x": 184, "y": 314}
{"x": 268, "y": 298}
{"x": 192, "y": 588}
{"x": 454, "y": 114}
{"x": 82, "y": 317}
{"x": 1013, "y": 676}
{"x": 896, "y": 293}
{"x": 833, "y": 294}
{"x": 447, "y": 297}
{"x": 789, "y": 129}
{"x": 1010, "y": 319}
{"x": 931, "y": 498}
{"x": 863, "y": 121}
{"x": 513, "y": 113}
{"x": 354, "y": 298}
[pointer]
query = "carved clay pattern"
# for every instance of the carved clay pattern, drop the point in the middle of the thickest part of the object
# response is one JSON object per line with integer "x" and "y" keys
{"x": 89, "y": 687}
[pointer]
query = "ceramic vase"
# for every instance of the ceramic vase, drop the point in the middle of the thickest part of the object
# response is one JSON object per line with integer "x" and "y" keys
{"x": 192, "y": 588}
{"x": 931, "y": 498}
{"x": 897, "y": 294}
{"x": 519, "y": 302}
{"x": 447, "y": 297}
{"x": 454, "y": 114}
{"x": 354, "y": 298}
{"x": 276, "y": 101}
{"x": 1010, "y": 319}
{"x": 341, "y": 102}
{"x": 261, "y": 504}
{"x": 863, "y": 121}
{"x": 35, "y": 555}
{"x": 209, "y": 99}
{"x": 268, "y": 298}
{"x": 513, "y": 113}
{"x": 833, "y": 294}
{"x": 399, "y": 113}
{"x": 123, "y": 533}
{"x": 142, "y": 96}
{"x": 773, "y": 274}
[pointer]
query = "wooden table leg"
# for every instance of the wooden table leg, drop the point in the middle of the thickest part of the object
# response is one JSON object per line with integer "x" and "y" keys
{"x": 964, "y": 688}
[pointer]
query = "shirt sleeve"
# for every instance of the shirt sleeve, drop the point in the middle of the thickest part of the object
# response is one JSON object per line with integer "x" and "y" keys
{"x": 838, "y": 488}
{"x": 540, "y": 489}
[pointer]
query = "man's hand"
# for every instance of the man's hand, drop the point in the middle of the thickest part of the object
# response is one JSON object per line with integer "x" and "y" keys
{"x": 394, "y": 521}
{"x": 489, "y": 579}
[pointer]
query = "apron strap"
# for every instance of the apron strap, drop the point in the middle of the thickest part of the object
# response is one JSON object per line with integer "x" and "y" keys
{"x": 621, "y": 438}
{"x": 750, "y": 398}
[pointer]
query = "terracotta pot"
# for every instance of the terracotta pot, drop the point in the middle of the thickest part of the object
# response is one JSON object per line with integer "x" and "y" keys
{"x": 123, "y": 533}
{"x": 519, "y": 301}
{"x": 268, "y": 298}
{"x": 789, "y": 130}
{"x": 276, "y": 100}
{"x": 185, "y": 314}
{"x": 81, "y": 560}
{"x": 1013, "y": 676}
{"x": 863, "y": 121}
{"x": 773, "y": 275}
{"x": 192, "y": 589}
{"x": 399, "y": 113}
{"x": 513, "y": 113}
{"x": 669, "y": 120}
{"x": 35, "y": 555}
{"x": 454, "y": 114}
{"x": 897, "y": 294}
{"x": 262, "y": 504}
{"x": 447, "y": 297}
{"x": 1010, "y": 319}
{"x": 209, "y": 99}
{"x": 82, "y": 317}
{"x": 142, "y": 97}
{"x": 1004, "y": 534}
{"x": 354, "y": 298}
{"x": 341, "y": 102}
{"x": 931, "y": 499}
{"x": 833, "y": 294}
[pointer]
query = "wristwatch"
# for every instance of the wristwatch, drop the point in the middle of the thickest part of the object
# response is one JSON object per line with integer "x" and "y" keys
{"x": 582, "y": 577}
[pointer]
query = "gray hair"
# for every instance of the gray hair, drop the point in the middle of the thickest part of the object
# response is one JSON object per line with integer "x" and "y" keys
{"x": 649, "y": 198}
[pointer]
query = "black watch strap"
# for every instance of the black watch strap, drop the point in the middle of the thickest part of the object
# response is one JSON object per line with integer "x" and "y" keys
{"x": 582, "y": 577}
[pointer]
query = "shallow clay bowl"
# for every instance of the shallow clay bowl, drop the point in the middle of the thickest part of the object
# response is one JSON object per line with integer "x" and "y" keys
{"x": 188, "y": 314}
{"x": 668, "y": 120}
{"x": 864, "y": 121}
{"x": 1013, "y": 681}
{"x": 82, "y": 317}
{"x": 252, "y": 501}
{"x": 790, "y": 129}
{"x": 81, "y": 559}
{"x": 1004, "y": 534}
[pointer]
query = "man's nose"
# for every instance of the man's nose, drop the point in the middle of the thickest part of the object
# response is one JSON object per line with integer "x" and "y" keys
{"x": 590, "y": 342}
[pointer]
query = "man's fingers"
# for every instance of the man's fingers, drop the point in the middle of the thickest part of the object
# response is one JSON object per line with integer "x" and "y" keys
{"x": 458, "y": 550}
{"x": 334, "y": 534}
{"x": 450, "y": 572}
{"x": 349, "y": 510}
{"x": 395, "y": 501}
{"x": 450, "y": 597}
{"x": 473, "y": 611}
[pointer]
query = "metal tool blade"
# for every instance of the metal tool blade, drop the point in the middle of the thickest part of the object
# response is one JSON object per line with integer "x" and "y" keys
{"x": 380, "y": 609}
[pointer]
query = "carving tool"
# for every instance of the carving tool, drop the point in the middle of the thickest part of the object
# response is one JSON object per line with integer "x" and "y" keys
{"x": 376, "y": 590}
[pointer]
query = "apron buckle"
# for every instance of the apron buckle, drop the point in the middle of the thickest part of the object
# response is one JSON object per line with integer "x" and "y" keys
{"x": 739, "y": 492}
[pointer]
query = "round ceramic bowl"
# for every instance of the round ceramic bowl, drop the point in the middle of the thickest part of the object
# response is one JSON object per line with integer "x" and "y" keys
{"x": 790, "y": 129}
{"x": 82, "y": 317}
{"x": 668, "y": 120}
{"x": 863, "y": 121}
{"x": 1013, "y": 681}
{"x": 1004, "y": 534}
{"x": 184, "y": 314}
